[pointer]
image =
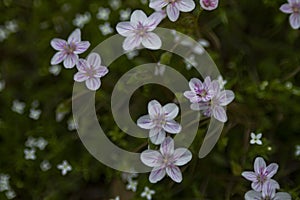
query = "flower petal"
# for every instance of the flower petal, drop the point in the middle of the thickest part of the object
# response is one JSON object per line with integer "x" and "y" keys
{"x": 185, "y": 5}
{"x": 282, "y": 195}
{"x": 82, "y": 65}
{"x": 174, "y": 173}
{"x": 182, "y": 156}
{"x": 75, "y": 36}
{"x": 70, "y": 61}
{"x": 171, "y": 110}
{"x": 125, "y": 29}
{"x": 157, "y": 174}
{"x": 172, "y": 12}
{"x": 100, "y": 71}
{"x": 80, "y": 77}
{"x": 271, "y": 170}
{"x": 151, "y": 41}
{"x": 154, "y": 19}
{"x": 94, "y": 59}
{"x": 226, "y": 97}
{"x": 257, "y": 186}
{"x": 167, "y": 147}
{"x": 151, "y": 158}
{"x": 219, "y": 113}
{"x": 82, "y": 47}
{"x": 93, "y": 83}
{"x": 58, "y": 58}
{"x": 158, "y": 4}
{"x": 286, "y": 8}
{"x": 259, "y": 165}
{"x": 138, "y": 16}
{"x": 195, "y": 85}
{"x": 252, "y": 195}
{"x": 145, "y": 122}
{"x": 269, "y": 189}
{"x": 132, "y": 42}
{"x": 209, "y": 4}
{"x": 172, "y": 126}
{"x": 58, "y": 44}
{"x": 295, "y": 20}
{"x": 154, "y": 109}
{"x": 157, "y": 138}
{"x": 251, "y": 176}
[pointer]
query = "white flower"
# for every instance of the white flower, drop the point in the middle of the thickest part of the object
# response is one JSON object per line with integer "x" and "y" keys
{"x": 29, "y": 154}
{"x": 4, "y": 182}
{"x": 256, "y": 138}
{"x": 297, "y": 152}
{"x": 115, "y": 4}
{"x": 103, "y": 13}
{"x": 18, "y": 106}
{"x": 106, "y": 29}
{"x": 147, "y": 193}
{"x": 10, "y": 194}
{"x": 45, "y": 165}
{"x": 116, "y": 198}
{"x": 131, "y": 54}
{"x": 128, "y": 176}
{"x": 3, "y": 34}
{"x": 11, "y": 26}
{"x": 41, "y": 143}
{"x": 82, "y": 19}
{"x": 30, "y": 142}
{"x": 72, "y": 125}
{"x": 64, "y": 167}
{"x": 55, "y": 70}
{"x": 125, "y": 14}
{"x": 35, "y": 113}
{"x": 132, "y": 185}
{"x": 2, "y": 85}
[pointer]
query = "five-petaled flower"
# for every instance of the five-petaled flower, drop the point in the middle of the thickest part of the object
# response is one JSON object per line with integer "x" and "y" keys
{"x": 166, "y": 160}
{"x": 147, "y": 193}
{"x": 160, "y": 120}
{"x": 68, "y": 50}
{"x": 209, "y": 4}
{"x": 268, "y": 193}
{"x": 173, "y": 7}
{"x": 90, "y": 71}
{"x": 64, "y": 167}
{"x": 261, "y": 174}
{"x": 256, "y": 138}
{"x": 139, "y": 31}
{"x": 293, "y": 8}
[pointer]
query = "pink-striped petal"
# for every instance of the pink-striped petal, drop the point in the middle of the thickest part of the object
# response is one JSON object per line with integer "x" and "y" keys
{"x": 251, "y": 176}
{"x": 171, "y": 111}
{"x": 185, "y": 5}
{"x": 174, "y": 173}
{"x": 286, "y": 8}
{"x": 172, "y": 12}
{"x": 125, "y": 29}
{"x": 219, "y": 113}
{"x": 151, "y": 41}
{"x": 172, "y": 126}
{"x": 154, "y": 19}
{"x": 226, "y": 97}
{"x": 209, "y": 4}
{"x": 82, "y": 47}
{"x": 82, "y": 65}
{"x": 182, "y": 156}
{"x": 138, "y": 16}
{"x": 80, "y": 77}
{"x": 259, "y": 165}
{"x": 257, "y": 186}
{"x": 282, "y": 195}
{"x": 167, "y": 147}
{"x": 145, "y": 122}
{"x": 93, "y": 83}
{"x": 157, "y": 138}
{"x": 151, "y": 158}
{"x": 295, "y": 20}
{"x": 100, "y": 71}
{"x": 158, "y": 4}
{"x": 70, "y": 61}
{"x": 157, "y": 174}
{"x": 94, "y": 59}
{"x": 132, "y": 42}
{"x": 252, "y": 195}
{"x": 271, "y": 170}
{"x": 58, "y": 44}
{"x": 58, "y": 58}
{"x": 195, "y": 85}
{"x": 75, "y": 36}
{"x": 154, "y": 109}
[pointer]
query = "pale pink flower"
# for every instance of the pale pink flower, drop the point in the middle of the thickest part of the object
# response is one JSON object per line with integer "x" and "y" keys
{"x": 166, "y": 161}
{"x": 139, "y": 30}
{"x": 173, "y": 7}
{"x": 68, "y": 50}
{"x": 160, "y": 120}
{"x": 90, "y": 71}
{"x": 293, "y": 8}
{"x": 261, "y": 174}
{"x": 209, "y": 4}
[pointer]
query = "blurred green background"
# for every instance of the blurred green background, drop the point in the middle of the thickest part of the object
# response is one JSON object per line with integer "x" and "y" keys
{"x": 253, "y": 45}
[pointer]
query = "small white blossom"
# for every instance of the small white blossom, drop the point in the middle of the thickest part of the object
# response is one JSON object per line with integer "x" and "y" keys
{"x": 30, "y": 142}
{"x": 103, "y": 13}
{"x": 64, "y": 167}
{"x": 116, "y": 198}
{"x": 45, "y": 165}
{"x": 115, "y": 4}
{"x": 131, "y": 54}
{"x": 72, "y": 125}
{"x": 55, "y": 70}
{"x": 35, "y": 113}
{"x": 41, "y": 143}
{"x": 2, "y": 85}
{"x": 132, "y": 185}
{"x": 3, "y": 34}
{"x": 147, "y": 193}
{"x": 11, "y": 26}
{"x": 29, "y": 154}
{"x": 297, "y": 152}
{"x": 256, "y": 138}
{"x": 128, "y": 176}
{"x": 106, "y": 29}
{"x": 18, "y": 106}
{"x": 82, "y": 19}
{"x": 10, "y": 194}
{"x": 125, "y": 14}
{"x": 4, "y": 182}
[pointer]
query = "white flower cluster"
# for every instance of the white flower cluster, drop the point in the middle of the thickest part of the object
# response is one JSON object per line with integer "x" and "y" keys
{"x": 5, "y": 186}
{"x": 8, "y": 28}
